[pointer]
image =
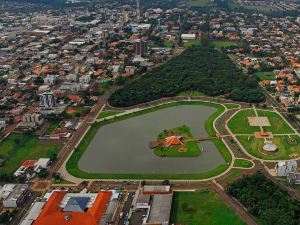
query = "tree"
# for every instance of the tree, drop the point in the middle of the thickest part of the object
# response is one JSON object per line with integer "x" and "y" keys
{"x": 43, "y": 173}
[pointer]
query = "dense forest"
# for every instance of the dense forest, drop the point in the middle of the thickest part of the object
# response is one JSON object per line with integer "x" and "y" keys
{"x": 265, "y": 200}
{"x": 198, "y": 68}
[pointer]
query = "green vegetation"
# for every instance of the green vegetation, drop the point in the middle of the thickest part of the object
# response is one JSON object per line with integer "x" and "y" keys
{"x": 196, "y": 69}
{"x": 285, "y": 150}
{"x": 239, "y": 123}
{"x": 265, "y": 75}
{"x": 265, "y": 200}
{"x": 205, "y": 208}
{"x": 72, "y": 164}
{"x": 190, "y": 43}
{"x": 16, "y": 148}
{"x": 232, "y": 106}
{"x": 278, "y": 125}
{"x": 52, "y": 126}
{"x": 199, "y": 3}
{"x": 189, "y": 148}
{"x": 108, "y": 113}
{"x": 61, "y": 181}
{"x": 223, "y": 44}
{"x": 243, "y": 163}
{"x": 191, "y": 93}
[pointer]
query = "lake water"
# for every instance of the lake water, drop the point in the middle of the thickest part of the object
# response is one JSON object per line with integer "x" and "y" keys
{"x": 122, "y": 147}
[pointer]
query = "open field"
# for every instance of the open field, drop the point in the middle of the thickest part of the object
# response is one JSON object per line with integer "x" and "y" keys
{"x": 108, "y": 113}
{"x": 205, "y": 208}
{"x": 199, "y": 3}
{"x": 232, "y": 106}
{"x": 285, "y": 150}
{"x": 242, "y": 163}
{"x": 16, "y": 148}
{"x": 191, "y": 93}
{"x": 239, "y": 123}
{"x": 190, "y": 43}
{"x": 265, "y": 75}
{"x": 224, "y": 44}
{"x": 72, "y": 164}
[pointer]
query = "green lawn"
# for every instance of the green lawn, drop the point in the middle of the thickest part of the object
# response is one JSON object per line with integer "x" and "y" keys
{"x": 205, "y": 208}
{"x": 265, "y": 75}
{"x": 224, "y": 44}
{"x": 72, "y": 164}
{"x": 108, "y": 113}
{"x": 52, "y": 126}
{"x": 191, "y": 93}
{"x": 278, "y": 125}
{"x": 239, "y": 123}
{"x": 190, "y": 43}
{"x": 285, "y": 150}
{"x": 232, "y": 106}
{"x": 192, "y": 149}
{"x": 243, "y": 163}
{"x": 17, "y": 147}
{"x": 199, "y": 3}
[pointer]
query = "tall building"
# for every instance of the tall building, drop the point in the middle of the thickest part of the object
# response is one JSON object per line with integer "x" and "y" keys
{"x": 47, "y": 100}
{"x": 141, "y": 47}
{"x": 126, "y": 16}
{"x": 138, "y": 9}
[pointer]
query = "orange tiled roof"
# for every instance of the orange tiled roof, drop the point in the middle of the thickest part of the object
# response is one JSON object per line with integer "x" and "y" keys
{"x": 52, "y": 214}
{"x": 172, "y": 140}
{"x": 29, "y": 163}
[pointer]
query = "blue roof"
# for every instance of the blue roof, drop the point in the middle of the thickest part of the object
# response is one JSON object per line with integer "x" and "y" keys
{"x": 76, "y": 204}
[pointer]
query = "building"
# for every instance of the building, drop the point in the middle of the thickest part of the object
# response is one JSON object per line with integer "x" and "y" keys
{"x": 294, "y": 178}
{"x": 30, "y": 122}
{"x": 188, "y": 36}
{"x": 283, "y": 168}
{"x": 47, "y": 100}
{"x": 160, "y": 210}
{"x": 69, "y": 208}
{"x": 141, "y": 47}
{"x": 14, "y": 195}
{"x": 126, "y": 16}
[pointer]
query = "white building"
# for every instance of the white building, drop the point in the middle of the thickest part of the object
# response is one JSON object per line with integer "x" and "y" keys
{"x": 188, "y": 36}
{"x": 283, "y": 168}
{"x": 13, "y": 195}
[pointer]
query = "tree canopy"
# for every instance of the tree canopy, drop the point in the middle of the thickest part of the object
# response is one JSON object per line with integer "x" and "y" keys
{"x": 265, "y": 200}
{"x": 198, "y": 68}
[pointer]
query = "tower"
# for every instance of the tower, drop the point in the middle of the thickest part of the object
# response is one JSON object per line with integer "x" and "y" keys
{"x": 138, "y": 10}
{"x": 141, "y": 47}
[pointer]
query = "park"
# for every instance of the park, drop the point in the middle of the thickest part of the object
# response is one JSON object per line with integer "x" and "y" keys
{"x": 118, "y": 146}
{"x": 265, "y": 134}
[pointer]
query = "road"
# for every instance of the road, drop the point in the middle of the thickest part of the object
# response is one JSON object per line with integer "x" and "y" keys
{"x": 78, "y": 135}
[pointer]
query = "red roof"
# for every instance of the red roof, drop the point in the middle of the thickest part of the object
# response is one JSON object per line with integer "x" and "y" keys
{"x": 52, "y": 214}
{"x": 29, "y": 163}
{"x": 172, "y": 140}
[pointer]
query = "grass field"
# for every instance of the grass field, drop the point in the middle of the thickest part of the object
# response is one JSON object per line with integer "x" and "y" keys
{"x": 232, "y": 106}
{"x": 16, "y": 148}
{"x": 242, "y": 163}
{"x": 285, "y": 150}
{"x": 199, "y": 3}
{"x": 239, "y": 123}
{"x": 72, "y": 164}
{"x": 190, "y": 43}
{"x": 191, "y": 93}
{"x": 265, "y": 75}
{"x": 224, "y": 44}
{"x": 205, "y": 208}
{"x": 108, "y": 113}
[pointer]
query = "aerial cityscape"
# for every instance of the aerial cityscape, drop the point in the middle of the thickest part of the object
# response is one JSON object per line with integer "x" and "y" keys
{"x": 150, "y": 112}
